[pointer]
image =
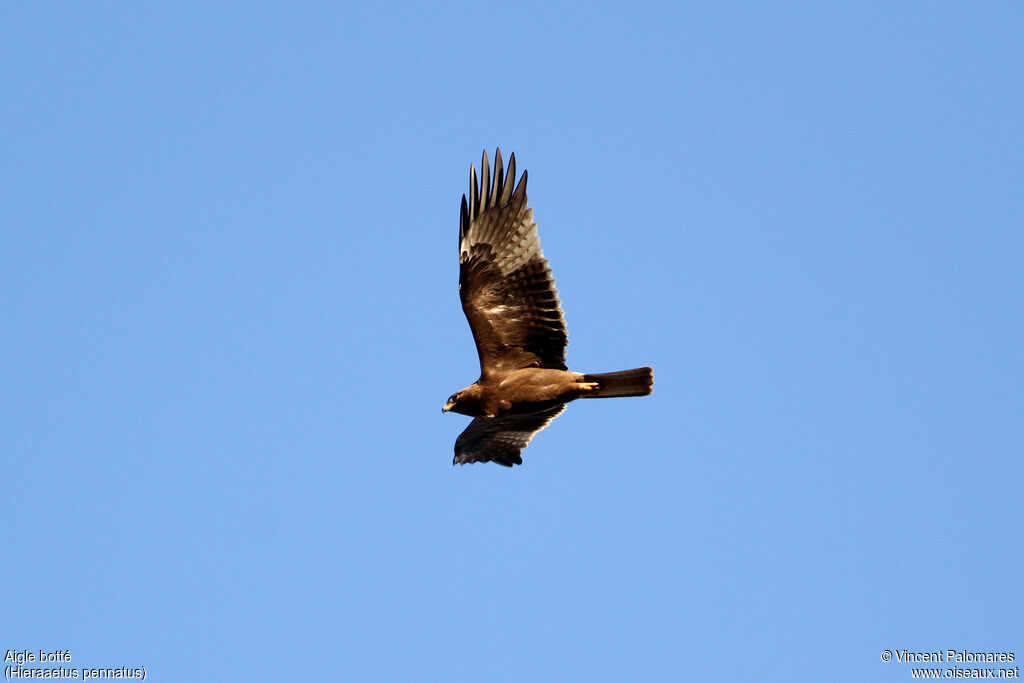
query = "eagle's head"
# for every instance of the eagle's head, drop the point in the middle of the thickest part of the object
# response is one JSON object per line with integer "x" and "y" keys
{"x": 465, "y": 401}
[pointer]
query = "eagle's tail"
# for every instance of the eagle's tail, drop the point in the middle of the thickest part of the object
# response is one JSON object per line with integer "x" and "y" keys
{"x": 637, "y": 382}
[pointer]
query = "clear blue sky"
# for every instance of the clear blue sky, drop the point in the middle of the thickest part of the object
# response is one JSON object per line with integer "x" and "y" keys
{"x": 228, "y": 279}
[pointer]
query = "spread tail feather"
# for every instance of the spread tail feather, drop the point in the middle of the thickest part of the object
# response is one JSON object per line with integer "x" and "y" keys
{"x": 637, "y": 382}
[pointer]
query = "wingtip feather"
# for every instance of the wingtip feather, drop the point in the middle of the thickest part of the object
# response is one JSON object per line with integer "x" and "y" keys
{"x": 510, "y": 181}
{"x": 499, "y": 178}
{"x": 485, "y": 181}
{"x": 474, "y": 193}
{"x": 463, "y": 219}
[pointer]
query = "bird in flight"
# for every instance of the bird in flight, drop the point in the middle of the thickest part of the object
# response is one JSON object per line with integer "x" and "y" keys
{"x": 510, "y": 300}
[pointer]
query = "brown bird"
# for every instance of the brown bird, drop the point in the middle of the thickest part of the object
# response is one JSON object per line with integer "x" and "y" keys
{"x": 510, "y": 300}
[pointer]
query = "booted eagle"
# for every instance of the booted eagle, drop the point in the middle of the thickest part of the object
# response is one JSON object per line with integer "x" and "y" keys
{"x": 510, "y": 300}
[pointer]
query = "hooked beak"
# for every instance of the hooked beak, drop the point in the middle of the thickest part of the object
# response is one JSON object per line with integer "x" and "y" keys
{"x": 447, "y": 407}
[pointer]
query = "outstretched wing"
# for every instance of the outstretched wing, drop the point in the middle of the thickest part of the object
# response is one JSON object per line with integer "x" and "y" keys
{"x": 506, "y": 287}
{"x": 501, "y": 439}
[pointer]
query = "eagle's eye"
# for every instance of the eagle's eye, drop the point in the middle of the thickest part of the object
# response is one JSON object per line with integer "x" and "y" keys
{"x": 453, "y": 398}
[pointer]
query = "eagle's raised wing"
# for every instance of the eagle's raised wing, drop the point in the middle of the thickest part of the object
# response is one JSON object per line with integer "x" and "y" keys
{"x": 506, "y": 287}
{"x": 501, "y": 439}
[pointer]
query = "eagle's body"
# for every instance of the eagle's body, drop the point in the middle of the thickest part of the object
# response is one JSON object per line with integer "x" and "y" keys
{"x": 510, "y": 300}
{"x": 519, "y": 392}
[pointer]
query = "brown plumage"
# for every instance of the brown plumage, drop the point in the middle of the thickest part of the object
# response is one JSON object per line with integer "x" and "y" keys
{"x": 510, "y": 300}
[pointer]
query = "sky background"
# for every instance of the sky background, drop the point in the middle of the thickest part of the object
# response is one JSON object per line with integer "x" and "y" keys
{"x": 228, "y": 287}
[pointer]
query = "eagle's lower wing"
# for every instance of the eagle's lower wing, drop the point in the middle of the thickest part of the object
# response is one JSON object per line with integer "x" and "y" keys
{"x": 506, "y": 287}
{"x": 501, "y": 439}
